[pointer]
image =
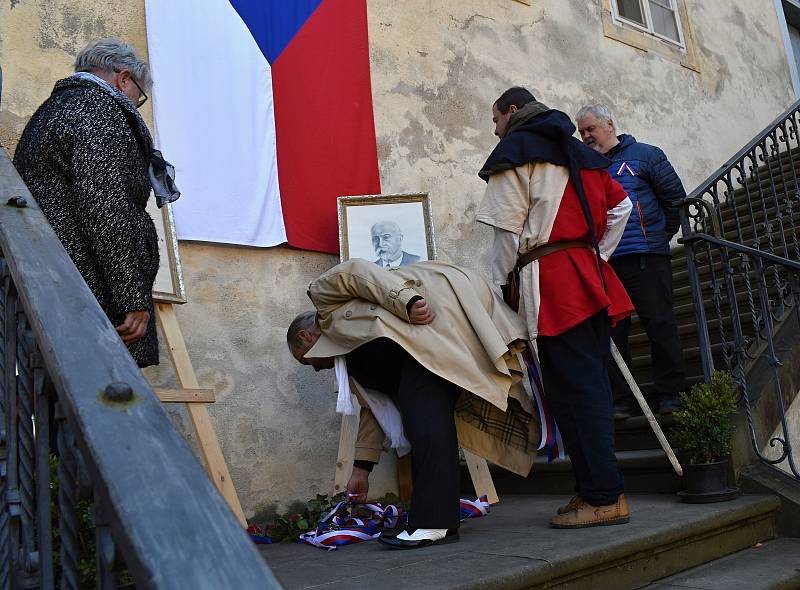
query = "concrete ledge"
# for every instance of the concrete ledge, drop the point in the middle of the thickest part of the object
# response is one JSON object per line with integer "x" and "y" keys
{"x": 768, "y": 566}
{"x": 514, "y": 548}
{"x": 762, "y": 479}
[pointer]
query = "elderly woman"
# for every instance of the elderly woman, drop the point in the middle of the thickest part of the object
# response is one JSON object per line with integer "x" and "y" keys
{"x": 88, "y": 159}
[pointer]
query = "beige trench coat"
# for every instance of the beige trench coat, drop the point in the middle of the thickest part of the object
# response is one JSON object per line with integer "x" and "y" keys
{"x": 471, "y": 342}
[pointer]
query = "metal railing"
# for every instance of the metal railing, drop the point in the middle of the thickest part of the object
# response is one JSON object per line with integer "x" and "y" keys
{"x": 740, "y": 229}
{"x": 70, "y": 390}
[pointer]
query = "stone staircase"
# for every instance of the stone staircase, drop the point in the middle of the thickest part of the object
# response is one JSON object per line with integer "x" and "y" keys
{"x": 706, "y": 560}
{"x": 751, "y": 542}
{"x": 513, "y": 548}
{"x": 644, "y": 464}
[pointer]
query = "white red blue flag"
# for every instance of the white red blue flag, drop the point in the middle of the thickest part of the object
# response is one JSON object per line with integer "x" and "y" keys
{"x": 265, "y": 109}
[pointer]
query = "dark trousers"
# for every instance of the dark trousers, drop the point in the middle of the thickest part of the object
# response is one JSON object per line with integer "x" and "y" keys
{"x": 427, "y": 404}
{"x": 648, "y": 281}
{"x": 575, "y": 378}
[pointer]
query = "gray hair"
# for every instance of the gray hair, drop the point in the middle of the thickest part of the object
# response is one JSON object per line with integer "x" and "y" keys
{"x": 112, "y": 54}
{"x": 601, "y": 112}
{"x": 303, "y": 321}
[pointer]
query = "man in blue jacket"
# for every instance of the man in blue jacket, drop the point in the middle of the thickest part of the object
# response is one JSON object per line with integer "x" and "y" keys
{"x": 642, "y": 258}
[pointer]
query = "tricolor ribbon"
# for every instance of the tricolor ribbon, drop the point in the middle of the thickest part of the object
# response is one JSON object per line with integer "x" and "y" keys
{"x": 551, "y": 437}
{"x": 476, "y": 509}
{"x": 335, "y": 530}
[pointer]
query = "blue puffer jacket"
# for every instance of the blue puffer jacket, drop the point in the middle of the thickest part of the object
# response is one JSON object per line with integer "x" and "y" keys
{"x": 655, "y": 191}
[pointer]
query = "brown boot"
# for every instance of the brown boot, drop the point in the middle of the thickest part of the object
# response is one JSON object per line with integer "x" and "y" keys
{"x": 585, "y": 515}
{"x": 573, "y": 503}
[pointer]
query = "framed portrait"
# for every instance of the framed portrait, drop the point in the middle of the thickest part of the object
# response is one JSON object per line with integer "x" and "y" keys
{"x": 169, "y": 286}
{"x": 390, "y": 230}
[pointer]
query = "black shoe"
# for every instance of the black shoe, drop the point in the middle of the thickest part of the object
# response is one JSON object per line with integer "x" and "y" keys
{"x": 390, "y": 533}
{"x": 451, "y": 537}
{"x": 668, "y": 404}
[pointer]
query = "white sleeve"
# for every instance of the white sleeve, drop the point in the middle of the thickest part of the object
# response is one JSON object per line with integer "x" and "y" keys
{"x": 615, "y": 227}
{"x": 504, "y": 255}
{"x": 506, "y": 201}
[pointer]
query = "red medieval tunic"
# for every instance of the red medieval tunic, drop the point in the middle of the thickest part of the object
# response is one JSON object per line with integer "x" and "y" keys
{"x": 536, "y": 204}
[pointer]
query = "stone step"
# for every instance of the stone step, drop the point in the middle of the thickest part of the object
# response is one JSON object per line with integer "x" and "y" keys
{"x": 635, "y": 433}
{"x": 645, "y": 471}
{"x": 514, "y": 548}
{"x": 774, "y": 565}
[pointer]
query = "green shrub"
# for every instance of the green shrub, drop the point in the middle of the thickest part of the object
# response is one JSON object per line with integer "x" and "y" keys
{"x": 705, "y": 422}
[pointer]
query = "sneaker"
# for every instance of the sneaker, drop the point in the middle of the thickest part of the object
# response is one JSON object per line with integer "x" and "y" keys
{"x": 585, "y": 515}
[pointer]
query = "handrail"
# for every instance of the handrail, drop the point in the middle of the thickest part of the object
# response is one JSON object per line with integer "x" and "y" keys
{"x": 166, "y": 520}
{"x": 750, "y": 291}
{"x": 741, "y": 248}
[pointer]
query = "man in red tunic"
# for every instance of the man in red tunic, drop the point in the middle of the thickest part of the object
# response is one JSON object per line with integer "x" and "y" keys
{"x": 557, "y": 217}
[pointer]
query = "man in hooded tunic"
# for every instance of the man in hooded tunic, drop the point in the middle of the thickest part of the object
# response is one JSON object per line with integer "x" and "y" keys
{"x": 543, "y": 187}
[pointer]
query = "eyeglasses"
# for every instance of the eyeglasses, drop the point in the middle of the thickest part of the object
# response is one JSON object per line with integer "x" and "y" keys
{"x": 142, "y": 95}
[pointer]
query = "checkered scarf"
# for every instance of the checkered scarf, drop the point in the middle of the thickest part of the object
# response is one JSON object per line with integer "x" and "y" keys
{"x": 515, "y": 427}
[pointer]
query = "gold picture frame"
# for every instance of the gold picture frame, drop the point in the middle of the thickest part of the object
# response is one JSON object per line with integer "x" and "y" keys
{"x": 411, "y": 213}
{"x": 169, "y": 286}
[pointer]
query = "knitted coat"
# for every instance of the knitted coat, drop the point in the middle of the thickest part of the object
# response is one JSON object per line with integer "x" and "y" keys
{"x": 85, "y": 162}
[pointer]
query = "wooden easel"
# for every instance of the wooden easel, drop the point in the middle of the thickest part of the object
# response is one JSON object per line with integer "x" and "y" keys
{"x": 196, "y": 400}
{"x": 478, "y": 468}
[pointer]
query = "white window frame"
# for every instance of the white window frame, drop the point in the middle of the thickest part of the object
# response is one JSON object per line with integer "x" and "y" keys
{"x": 648, "y": 29}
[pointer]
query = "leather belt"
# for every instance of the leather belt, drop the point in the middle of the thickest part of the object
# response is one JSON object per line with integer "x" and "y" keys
{"x": 540, "y": 251}
{"x": 511, "y": 288}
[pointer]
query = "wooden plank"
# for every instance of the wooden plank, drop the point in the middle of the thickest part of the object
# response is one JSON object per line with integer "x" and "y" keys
{"x": 198, "y": 412}
{"x": 637, "y": 393}
{"x": 184, "y": 396}
{"x": 347, "y": 449}
{"x": 481, "y": 477}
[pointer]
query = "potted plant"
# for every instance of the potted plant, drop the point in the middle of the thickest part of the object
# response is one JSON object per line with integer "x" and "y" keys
{"x": 704, "y": 435}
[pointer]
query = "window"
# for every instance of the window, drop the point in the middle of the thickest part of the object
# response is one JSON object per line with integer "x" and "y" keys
{"x": 657, "y": 17}
{"x": 661, "y": 27}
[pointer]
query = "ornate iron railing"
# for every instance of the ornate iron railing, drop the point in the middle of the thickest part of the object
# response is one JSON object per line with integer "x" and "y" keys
{"x": 741, "y": 230}
{"x": 69, "y": 390}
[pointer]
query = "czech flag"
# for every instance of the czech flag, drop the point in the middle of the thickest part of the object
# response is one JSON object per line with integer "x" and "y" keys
{"x": 264, "y": 107}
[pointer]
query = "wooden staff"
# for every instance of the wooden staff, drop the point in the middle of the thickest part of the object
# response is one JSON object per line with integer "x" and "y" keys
{"x": 637, "y": 393}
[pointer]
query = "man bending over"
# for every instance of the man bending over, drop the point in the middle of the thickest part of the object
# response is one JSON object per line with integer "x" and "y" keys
{"x": 428, "y": 340}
